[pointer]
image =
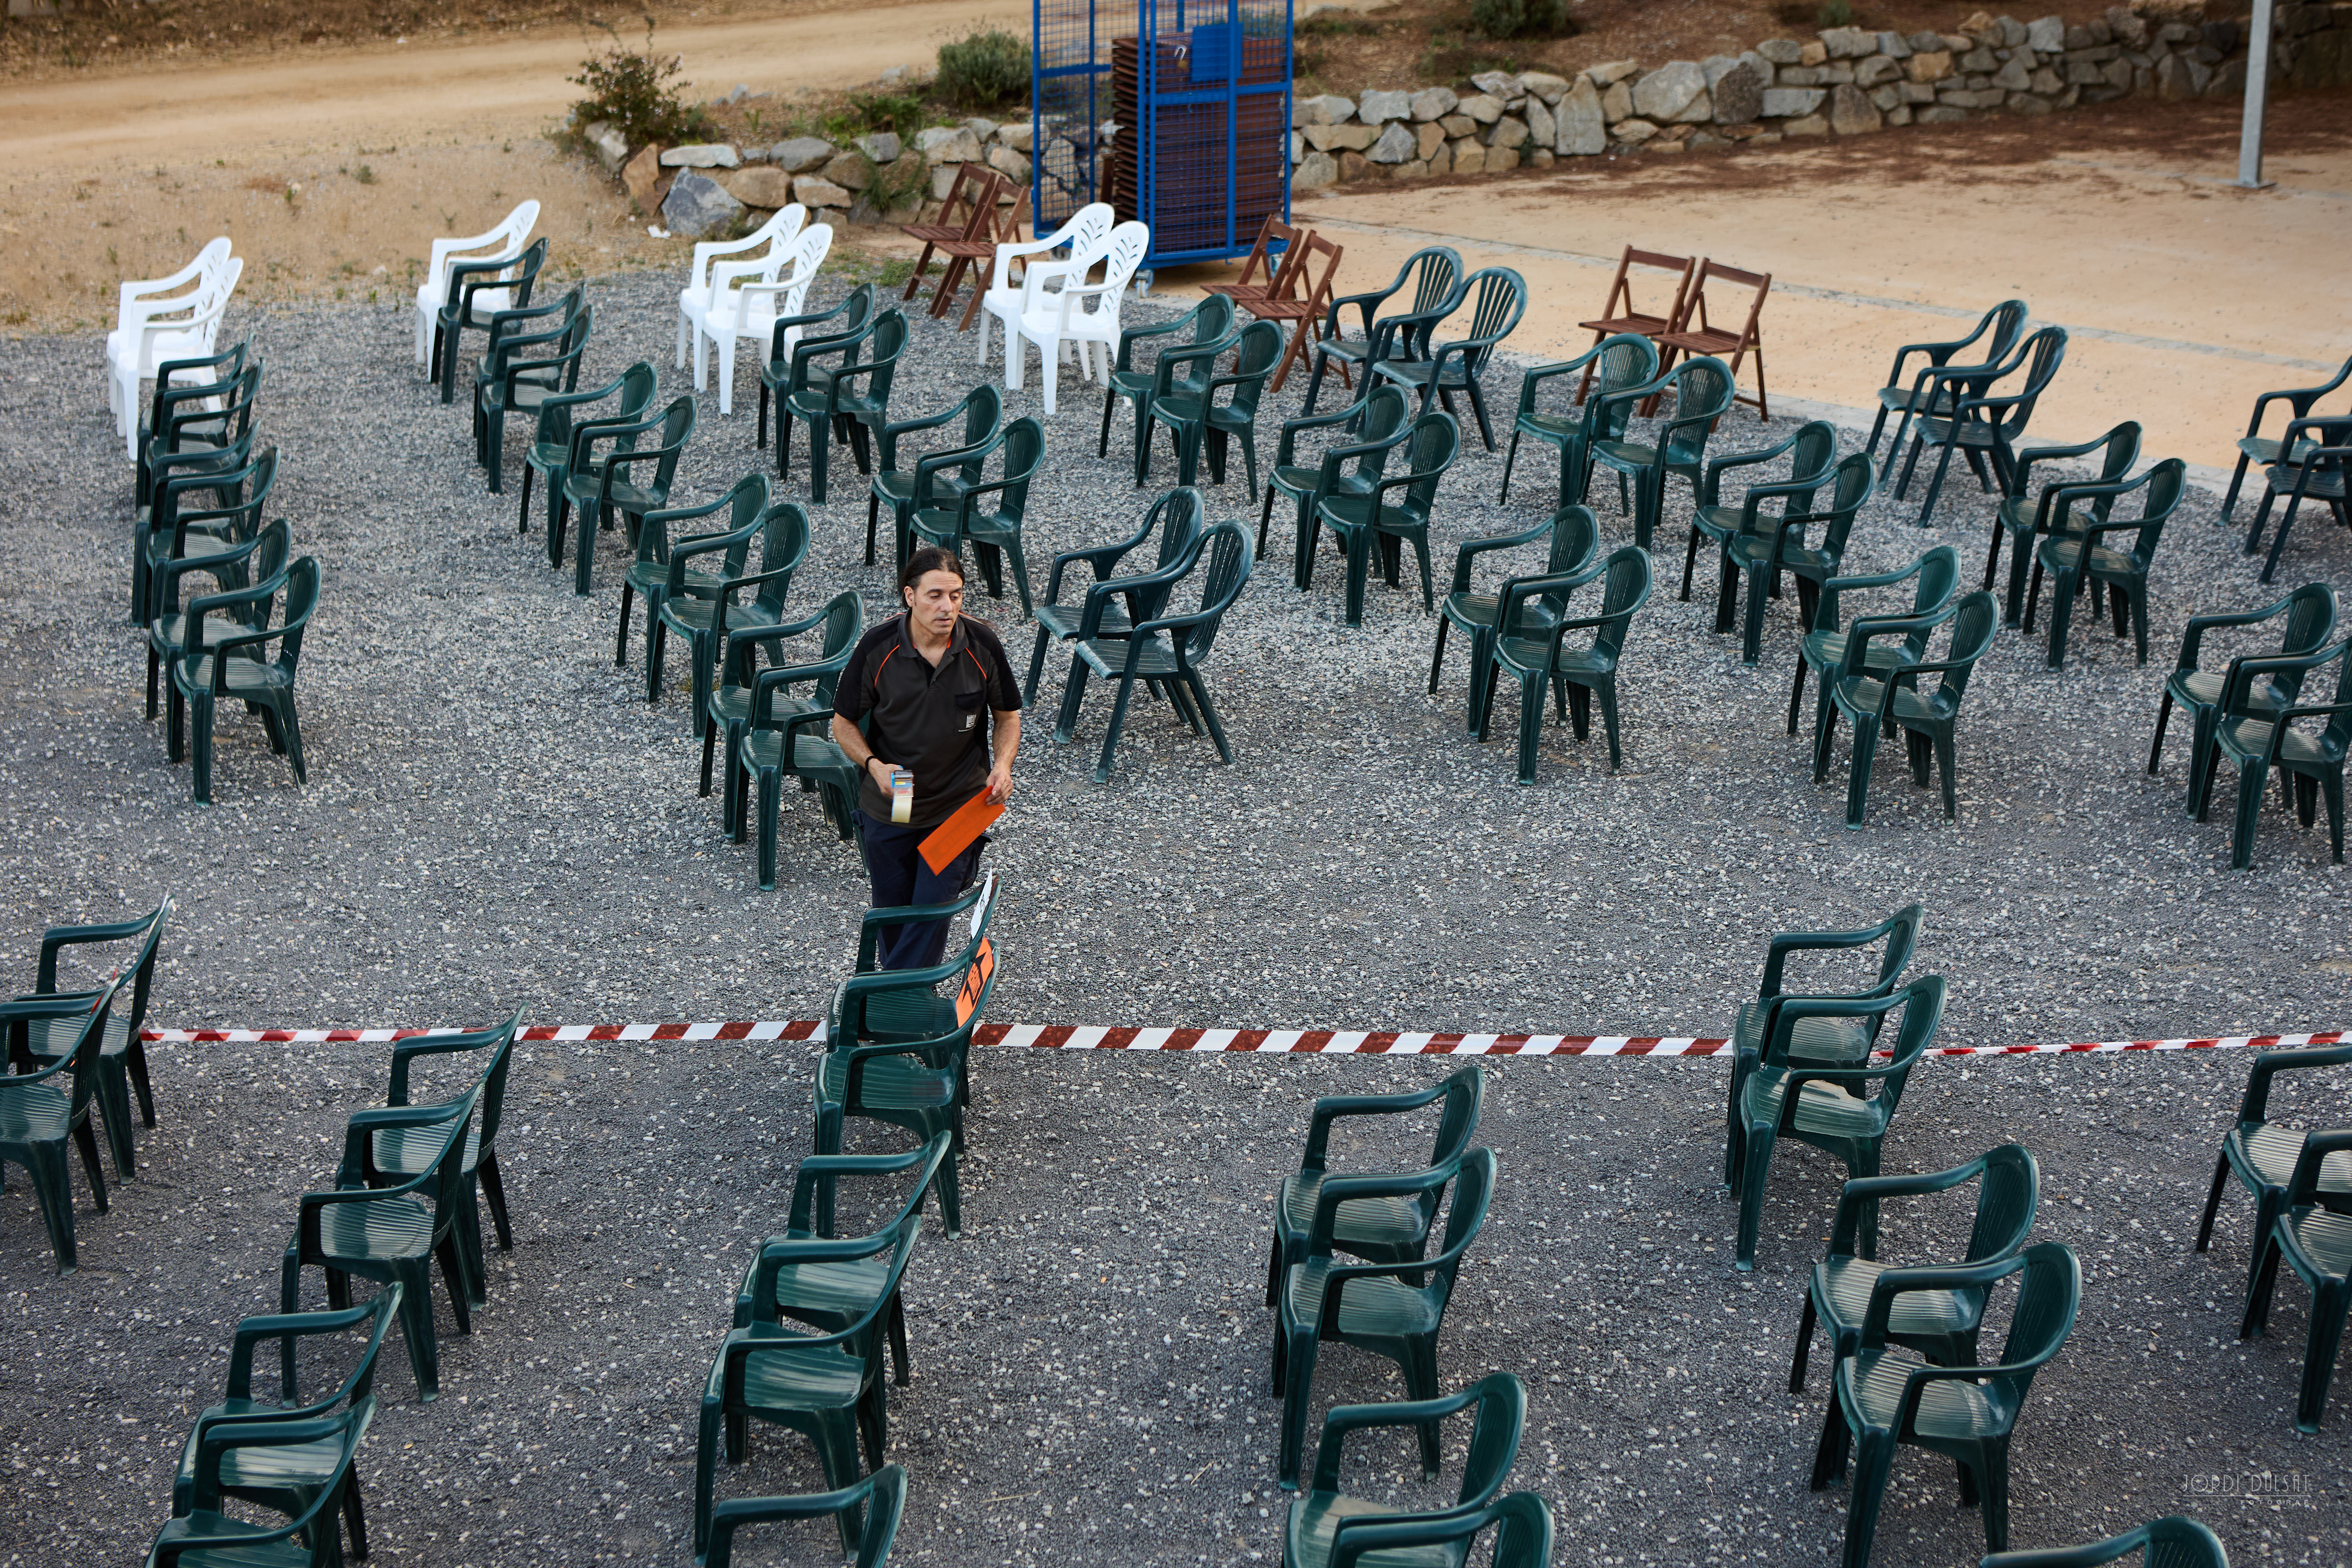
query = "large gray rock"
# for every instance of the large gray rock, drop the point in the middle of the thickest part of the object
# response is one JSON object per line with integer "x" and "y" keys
{"x": 1484, "y": 108}
{"x": 1434, "y": 103}
{"x": 1849, "y": 43}
{"x": 1895, "y": 44}
{"x": 1633, "y": 133}
{"x": 1396, "y": 144}
{"x": 698, "y": 205}
{"x": 1543, "y": 126}
{"x": 1375, "y": 107}
{"x": 1781, "y": 51}
{"x": 702, "y": 155}
{"x": 1018, "y": 134}
{"x": 1876, "y": 69}
{"x": 983, "y": 131}
{"x": 1783, "y": 102}
{"x": 1315, "y": 172}
{"x": 1014, "y": 166}
{"x": 761, "y": 186}
{"x": 1612, "y": 71}
{"x": 1582, "y": 132}
{"x": 1851, "y": 111}
{"x": 1510, "y": 131}
{"x": 882, "y": 146}
{"x": 850, "y": 170}
{"x": 1738, "y": 94}
{"x": 801, "y": 153}
{"x": 1542, "y": 85}
{"x": 1665, "y": 93}
{"x": 2046, "y": 34}
{"x": 1715, "y": 66}
{"x": 2012, "y": 76}
{"x": 1329, "y": 109}
{"x": 1336, "y": 138}
{"x": 813, "y": 191}
{"x": 948, "y": 144}
{"x": 1497, "y": 84}
{"x": 611, "y": 148}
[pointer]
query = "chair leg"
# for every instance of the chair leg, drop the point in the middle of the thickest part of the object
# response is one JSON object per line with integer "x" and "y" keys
{"x": 1110, "y": 736}
{"x": 495, "y": 1189}
{"x": 1872, "y": 1457}
{"x": 416, "y": 1330}
{"x": 1074, "y": 691}
{"x": 1510, "y": 458}
{"x": 2249, "y": 805}
{"x": 2212, "y": 1202}
{"x": 1755, "y": 1171}
{"x": 1944, "y": 758}
{"x": 1935, "y": 484}
{"x": 2230, "y": 501}
{"x": 771, "y": 789}
{"x": 1531, "y": 714}
{"x": 2155, "y": 748}
{"x": 200, "y": 744}
{"x": 2278, "y": 540}
{"x": 47, "y": 1162}
{"x": 1297, "y": 1388}
{"x": 1865, "y": 751}
{"x": 2329, "y": 1301}
{"x": 621, "y": 637}
{"x": 1804, "y": 1344}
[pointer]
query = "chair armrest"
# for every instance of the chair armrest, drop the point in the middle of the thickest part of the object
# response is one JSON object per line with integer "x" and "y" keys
{"x": 1716, "y": 469}
{"x": 1342, "y": 1419}
{"x": 2304, "y": 1186}
{"x": 1865, "y": 1190}
{"x": 2200, "y": 624}
{"x": 2269, "y": 1064}
{"x": 1894, "y": 1283}
{"x": 1332, "y": 1107}
{"x": 818, "y": 1173}
{"x": 1465, "y": 552}
{"x": 57, "y": 938}
{"x": 805, "y": 319}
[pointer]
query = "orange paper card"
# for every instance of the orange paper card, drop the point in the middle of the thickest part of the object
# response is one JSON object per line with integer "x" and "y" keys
{"x": 955, "y": 835}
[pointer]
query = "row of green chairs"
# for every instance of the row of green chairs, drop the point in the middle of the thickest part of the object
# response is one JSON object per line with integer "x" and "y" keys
{"x": 2308, "y": 461}
{"x": 50, "y": 1030}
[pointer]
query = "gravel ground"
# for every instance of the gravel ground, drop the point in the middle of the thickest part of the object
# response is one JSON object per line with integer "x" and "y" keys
{"x": 495, "y": 817}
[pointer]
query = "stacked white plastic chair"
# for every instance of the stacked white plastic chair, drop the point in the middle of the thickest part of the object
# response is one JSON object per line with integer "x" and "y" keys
{"x": 771, "y": 239}
{"x": 747, "y": 297}
{"x": 503, "y": 243}
{"x": 160, "y": 319}
{"x": 1075, "y": 314}
{"x": 1087, "y": 234}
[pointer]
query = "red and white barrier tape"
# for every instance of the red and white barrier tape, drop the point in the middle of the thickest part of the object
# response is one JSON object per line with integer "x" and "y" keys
{"x": 1318, "y": 1041}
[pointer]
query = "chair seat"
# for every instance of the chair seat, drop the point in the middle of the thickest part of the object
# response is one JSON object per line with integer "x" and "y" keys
{"x": 888, "y": 1084}
{"x": 896, "y": 485}
{"x": 33, "y": 1113}
{"x": 1823, "y": 1109}
{"x": 1702, "y": 341}
{"x": 408, "y": 1151}
{"x": 1974, "y": 432}
{"x": 2317, "y": 1242}
{"x": 1815, "y": 1039}
{"x": 2270, "y": 1152}
{"x": 693, "y": 612}
{"x": 2262, "y": 449}
{"x": 1646, "y": 326}
{"x": 1864, "y": 694}
{"x": 1347, "y": 349}
{"x": 2250, "y": 737}
{"x": 1844, "y": 1283}
{"x": 272, "y": 1468}
{"x": 1551, "y": 426}
{"x": 1379, "y": 1308}
{"x": 2198, "y": 688}
{"x": 245, "y": 680}
{"x": 763, "y": 751}
{"x": 383, "y": 1228}
{"x": 2065, "y": 554}
{"x": 1951, "y": 1408}
{"x": 939, "y": 527}
{"x": 841, "y": 1290}
{"x": 782, "y": 1376}
{"x": 733, "y": 704}
{"x": 1061, "y": 622}
{"x": 264, "y": 1554}
{"x": 1314, "y": 1523}
{"x": 48, "y": 1038}
{"x": 1826, "y": 651}
{"x": 2283, "y": 477}
{"x": 1529, "y": 653}
{"x": 1625, "y": 454}
{"x": 1108, "y": 656}
{"x": 1417, "y": 372}
{"x": 909, "y": 1013}
{"x": 1359, "y": 1221}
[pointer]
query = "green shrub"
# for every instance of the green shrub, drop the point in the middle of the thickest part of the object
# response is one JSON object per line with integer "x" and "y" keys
{"x": 985, "y": 70}
{"x": 1835, "y": 13}
{"x": 635, "y": 93}
{"x": 1520, "y": 18}
{"x": 901, "y": 114}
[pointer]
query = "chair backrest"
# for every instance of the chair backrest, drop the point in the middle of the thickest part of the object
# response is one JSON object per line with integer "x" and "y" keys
{"x": 1761, "y": 282}
{"x": 1702, "y": 392}
{"x": 1814, "y": 451}
{"x": 1626, "y": 587}
{"x": 2043, "y": 352}
{"x": 1465, "y": 1097}
{"x": 143, "y": 967}
{"x": 80, "y": 1062}
{"x": 2335, "y": 740}
{"x": 880, "y": 1501}
{"x": 197, "y": 377}
{"x": 1625, "y": 361}
{"x": 1521, "y": 1521}
{"x": 2175, "y": 1541}
{"x": 677, "y": 426}
{"x": 2047, "y": 1301}
{"x": 1494, "y": 1431}
{"x": 1226, "y": 550}
{"x": 783, "y": 546}
{"x": 1260, "y": 346}
{"x": 301, "y": 599}
{"x": 1939, "y": 579}
{"x": 2008, "y": 1194}
{"x": 1179, "y": 516}
{"x": 845, "y": 622}
{"x": 1023, "y": 450}
{"x": 1922, "y": 1001}
{"x": 1260, "y": 263}
{"x": 1850, "y": 487}
{"x": 134, "y": 292}
{"x": 983, "y": 419}
{"x": 2007, "y": 322}
{"x": 1385, "y": 411}
{"x": 1972, "y": 631}
{"x": 1473, "y": 1193}
{"x": 1435, "y": 442}
{"x": 1434, "y": 271}
{"x": 1620, "y": 288}
{"x": 889, "y": 343}
{"x": 1315, "y": 294}
{"x": 1497, "y": 298}
{"x": 2119, "y": 450}
{"x": 2166, "y": 484}
{"x": 1212, "y": 318}
{"x": 1129, "y": 242}
{"x": 1575, "y": 537}
{"x": 1085, "y": 230}
{"x": 282, "y": 1328}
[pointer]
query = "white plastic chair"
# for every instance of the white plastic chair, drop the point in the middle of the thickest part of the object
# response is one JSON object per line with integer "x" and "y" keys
{"x": 503, "y": 243}
{"x": 777, "y": 235}
{"x": 747, "y": 297}
{"x": 1078, "y": 314}
{"x": 156, "y": 331}
{"x": 1086, "y": 234}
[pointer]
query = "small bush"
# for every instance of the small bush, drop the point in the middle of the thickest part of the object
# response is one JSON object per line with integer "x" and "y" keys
{"x": 1834, "y": 14}
{"x": 983, "y": 70}
{"x": 901, "y": 114}
{"x": 635, "y": 93}
{"x": 1520, "y": 18}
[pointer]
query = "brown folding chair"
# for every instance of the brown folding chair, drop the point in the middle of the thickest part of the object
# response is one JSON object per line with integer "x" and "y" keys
{"x": 1305, "y": 309}
{"x": 1618, "y": 314}
{"x": 977, "y": 255}
{"x": 1695, "y": 335}
{"x": 1258, "y": 265}
{"x": 950, "y": 225}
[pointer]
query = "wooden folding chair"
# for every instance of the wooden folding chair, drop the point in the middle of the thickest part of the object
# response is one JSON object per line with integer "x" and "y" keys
{"x": 1260, "y": 266}
{"x": 977, "y": 255}
{"x": 1305, "y": 309}
{"x": 950, "y": 226}
{"x": 1618, "y": 314}
{"x": 1695, "y": 335}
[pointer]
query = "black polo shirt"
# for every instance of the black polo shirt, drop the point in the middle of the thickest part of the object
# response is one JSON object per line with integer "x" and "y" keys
{"x": 932, "y": 722}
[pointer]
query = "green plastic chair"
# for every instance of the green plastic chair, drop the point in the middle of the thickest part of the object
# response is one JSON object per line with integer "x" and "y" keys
{"x": 1968, "y": 1413}
{"x": 40, "y": 1111}
{"x": 831, "y": 1296}
{"x": 2311, "y": 611}
{"x": 2173, "y": 1541}
{"x": 1934, "y": 577}
{"x": 392, "y": 1234}
{"x": 2316, "y": 1239}
{"x": 1577, "y": 675}
{"x": 836, "y": 404}
{"x": 617, "y": 481}
{"x": 1176, "y": 516}
{"x": 1811, "y": 451}
{"x": 122, "y": 1054}
{"x": 1383, "y": 1229}
{"x": 870, "y": 1508}
{"x": 163, "y": 533}
{"x": 827, "y": 1387}
{"x": 2255, "y": 447}
{"x": 1980, "y": 424}
{"x": 1497, "y": 298}
{"x": 1626, "y": 360}
{"x": 287, "y": 1477}
{"x": 2318, "y": 468}
{"x": 1521, "y": 1521}
{"x": 1931, "y": 388}
{"x": 1704, "y": 392}
{"x": 2263, "y": 1154}
{"x": 896, "y": 1040}
{"x": 1210, "y": 322}
{"x": 1167, "y": 649}
{"x": 206, "y": 1538}
{"x": 1432, "y": 271}
{"x": 560, "y": 416}
{"x": 1829, "y": 1106}
{"x": 507, "y": 281}
{"x": 1323, "y": 1517}
{"x": 2076, "y": 557}
{"x": 1940, "y": 1324}
{"x": 937, "y": 479}
{"x": 747, "y": 630}
{"x": 1778, "y": 544}
{"x": 1395, "y": 511}
{"x": 2020, "y": 521}
{"x": 849, "y": 319}
{"x": 2255, "y": 746}
{"x": 1574, "y": 538}
{"x": 994, "y": 531}
{"x": 1879, "y": 702}
{"x": 513, "y": 380}
{"x": 1195, "y": 420}
{"x": 193, "y": 422}
{"x": 213, "y": 667}
{"x": 706, "y": 621}
{"x": 1393, "y": 1310}
{"x": 768, "y": 743}
{"x": 1832, "y": 1037}
{"x": 256, "y": 560}
{"x": 402, "y": 1152}
{"x": 1377, "y": 423}
{"x": 1185, "y": 372}
{"x": 652, "y": 573}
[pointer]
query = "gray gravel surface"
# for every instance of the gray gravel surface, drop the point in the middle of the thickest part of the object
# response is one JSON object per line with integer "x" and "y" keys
{"x": 496, "y": 819}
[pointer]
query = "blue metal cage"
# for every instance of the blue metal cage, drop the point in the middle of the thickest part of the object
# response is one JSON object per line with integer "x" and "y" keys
{"x": 1174, "y": 111}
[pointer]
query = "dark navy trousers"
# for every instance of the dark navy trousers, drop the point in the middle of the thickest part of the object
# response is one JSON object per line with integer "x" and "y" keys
{"x": 900, "y": 878}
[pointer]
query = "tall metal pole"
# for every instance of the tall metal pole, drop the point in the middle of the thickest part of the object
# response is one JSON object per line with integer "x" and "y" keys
{"x": 2258, "y": 71}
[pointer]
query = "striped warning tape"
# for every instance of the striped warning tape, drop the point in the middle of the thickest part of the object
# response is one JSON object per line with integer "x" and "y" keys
{"x": 1311, "y": 1041}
